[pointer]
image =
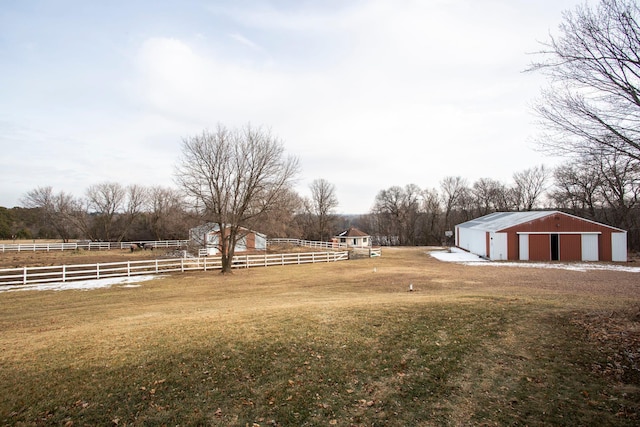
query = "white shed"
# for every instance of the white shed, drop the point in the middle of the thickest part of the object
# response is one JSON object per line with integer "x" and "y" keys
{"x": 207, "y": 236}
{"x": 354, "y": 238}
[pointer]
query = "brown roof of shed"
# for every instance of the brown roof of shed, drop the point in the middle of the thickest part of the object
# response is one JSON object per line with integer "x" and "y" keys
{"x": 352, "y": 232}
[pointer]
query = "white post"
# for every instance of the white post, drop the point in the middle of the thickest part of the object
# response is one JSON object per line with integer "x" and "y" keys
{"x": 64, "y": 273}
{"x": 98, "y": 271}
{"x": 24, "y": 276}
{"x": 128, "y": 268}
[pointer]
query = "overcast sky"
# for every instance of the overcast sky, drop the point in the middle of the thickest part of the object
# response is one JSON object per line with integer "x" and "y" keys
{"x": 368, "y": 94}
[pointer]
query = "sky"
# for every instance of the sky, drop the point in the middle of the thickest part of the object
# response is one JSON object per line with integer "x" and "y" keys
{"x": 367, "y": 94}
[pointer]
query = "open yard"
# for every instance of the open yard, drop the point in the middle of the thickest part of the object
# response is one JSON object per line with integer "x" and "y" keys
{"x": 329, "y": 344}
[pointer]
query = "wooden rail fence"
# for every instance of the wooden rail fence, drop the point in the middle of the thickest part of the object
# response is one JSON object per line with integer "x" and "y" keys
{"x": 307, "y": 243}
{"x": 33, "y": 247}
{"x": 16, "y": 277}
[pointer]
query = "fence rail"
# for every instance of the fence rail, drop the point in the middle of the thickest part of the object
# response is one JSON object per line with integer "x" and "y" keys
{"x": 33, "y": 247}
{"x": 307, "y": 243}
{"x": 16, "y": 277}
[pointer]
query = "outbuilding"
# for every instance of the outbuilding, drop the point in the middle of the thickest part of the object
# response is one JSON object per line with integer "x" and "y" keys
{"x": 541, "y": 236}
{"x": 207, "y": 236}
{"x": 354, "y": 238}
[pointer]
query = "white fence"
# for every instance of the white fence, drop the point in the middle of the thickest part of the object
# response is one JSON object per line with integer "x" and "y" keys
{"x": 33, "y": 247}
{"x": 308, "y": 243}
{"x": 16, "y": 277}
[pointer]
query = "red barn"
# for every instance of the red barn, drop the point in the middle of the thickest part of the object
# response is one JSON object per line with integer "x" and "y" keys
{"x": 541, "y": 236}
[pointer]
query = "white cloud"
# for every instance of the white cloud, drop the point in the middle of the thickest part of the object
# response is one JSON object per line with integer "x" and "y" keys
{"x": 368, "y": 94}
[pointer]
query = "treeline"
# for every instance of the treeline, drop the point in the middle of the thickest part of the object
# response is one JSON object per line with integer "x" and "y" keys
{"x": 606, "y": 192}
{"x": 112, "y": 212}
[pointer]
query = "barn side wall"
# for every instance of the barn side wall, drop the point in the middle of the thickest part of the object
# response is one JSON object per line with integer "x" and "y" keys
{"x": 474, "y": 241}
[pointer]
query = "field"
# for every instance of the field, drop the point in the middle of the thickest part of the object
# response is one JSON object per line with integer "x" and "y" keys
{"x": 342, "y": 344}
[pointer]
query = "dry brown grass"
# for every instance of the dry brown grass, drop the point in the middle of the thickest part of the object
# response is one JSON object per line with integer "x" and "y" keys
{"x": 328, "y": 344}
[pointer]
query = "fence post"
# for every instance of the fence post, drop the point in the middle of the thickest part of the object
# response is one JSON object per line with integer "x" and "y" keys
{"x": 128, "y": 268}
{"x": 182, "y": 265}
{"x": 156, "y": 266}
{"x": 64, "y": 273}
{"x": 24, "y": 276}
{"x": 97, "y": 270}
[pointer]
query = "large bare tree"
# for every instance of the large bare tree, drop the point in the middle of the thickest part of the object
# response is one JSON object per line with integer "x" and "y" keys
{"x": 233, "y": 176}
{"x": 593, "y": 101}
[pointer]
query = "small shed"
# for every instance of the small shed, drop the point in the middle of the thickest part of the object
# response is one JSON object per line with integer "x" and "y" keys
{"x": 354, "y": 238}
{"x": 541, "y": 236}
{"x": 207, "y": 236}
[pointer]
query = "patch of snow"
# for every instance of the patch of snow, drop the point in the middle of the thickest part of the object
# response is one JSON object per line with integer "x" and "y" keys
{"x": 467, "y": 258}
{"x": 456, "y": 255}
{"x": 84, "y": 285}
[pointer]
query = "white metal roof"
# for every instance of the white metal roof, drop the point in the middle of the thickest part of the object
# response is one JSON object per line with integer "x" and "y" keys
{"x": 501, "y": 220}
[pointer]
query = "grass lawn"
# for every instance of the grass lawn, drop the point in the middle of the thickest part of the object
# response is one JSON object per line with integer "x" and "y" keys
{"x": 340, "y": 344}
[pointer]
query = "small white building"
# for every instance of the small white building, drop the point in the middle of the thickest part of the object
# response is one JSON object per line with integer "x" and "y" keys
{"x": 207, "y": 236}
{"x": 354, "y": 238}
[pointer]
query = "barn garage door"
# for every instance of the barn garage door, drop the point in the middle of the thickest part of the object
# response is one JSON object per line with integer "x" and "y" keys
{"x": 540, "y": 247}
{"x": 570, "y": 247}
{"x": 590, "y": 247}
{"x": 523, "y": 246}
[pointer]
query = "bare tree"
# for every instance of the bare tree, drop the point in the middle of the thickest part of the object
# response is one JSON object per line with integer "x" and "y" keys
{"x": 321, "y": 206}
{"x": 593, "y": 102}
{"x": 576, "y": 187}
{"x": 284, "y": 217}
{"x": 166, "y": 213}
{"x": 490, "y": 196}
{"x": 135, "y": 201}
{"x": 453, "y": 189}
{"x": 57, "y": 210}
{"x": 113, "y": 209}
{"x": 104, "y": 201}
{"x": 232, "y": 177}
{"x": 621, "y": 189}
{"x": 397, "y": 210}
{"x": 530, "y": 184}
{"x": 432, "y": 211}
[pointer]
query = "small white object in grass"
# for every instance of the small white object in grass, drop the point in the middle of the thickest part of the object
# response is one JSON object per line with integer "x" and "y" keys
{"x": 411, "y": 287}
{"x": 375, "y": 269}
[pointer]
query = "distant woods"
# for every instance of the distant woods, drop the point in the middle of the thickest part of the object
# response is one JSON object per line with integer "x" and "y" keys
{"x": 400, "y": 215}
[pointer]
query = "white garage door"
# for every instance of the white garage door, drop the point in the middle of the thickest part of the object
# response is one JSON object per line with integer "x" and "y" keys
{"x": 589, "y": 247}
{"x": 523, "y": 241}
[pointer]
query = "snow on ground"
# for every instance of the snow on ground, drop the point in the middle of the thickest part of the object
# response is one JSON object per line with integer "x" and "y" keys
{"x": 84, "y": 285}
{"x": 467, "y": 258}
